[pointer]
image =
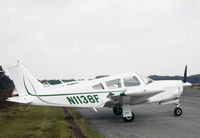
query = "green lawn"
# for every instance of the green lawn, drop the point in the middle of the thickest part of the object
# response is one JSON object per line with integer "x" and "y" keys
{"x": 42, "y": 122}
{"x": 27, "y": 121}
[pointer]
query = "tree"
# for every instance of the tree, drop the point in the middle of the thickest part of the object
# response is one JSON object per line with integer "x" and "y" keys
{"x": 5, "y": 81}
{"x": 6, "y": 87}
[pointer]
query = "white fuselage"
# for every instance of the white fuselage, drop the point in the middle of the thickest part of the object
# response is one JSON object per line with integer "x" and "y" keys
{"x": 129, "y": 88}
{"x": 83, "y": 94}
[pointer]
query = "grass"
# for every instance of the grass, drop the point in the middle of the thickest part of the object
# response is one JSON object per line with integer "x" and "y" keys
{"x": 34, "y": 122}
{"x": 42, "y": 122}
{"x": 84, "y": 125}
{"x": 194, "y": 88}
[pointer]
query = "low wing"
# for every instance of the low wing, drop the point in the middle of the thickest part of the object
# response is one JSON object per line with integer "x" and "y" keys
{"x": 132, "y": 97}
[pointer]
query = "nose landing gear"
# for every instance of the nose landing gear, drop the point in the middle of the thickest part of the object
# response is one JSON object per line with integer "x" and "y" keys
{"x": 178, "y": 111}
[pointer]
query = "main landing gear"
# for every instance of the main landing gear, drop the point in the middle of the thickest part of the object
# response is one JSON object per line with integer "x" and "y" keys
{"x": 129, "y": 118}
{"x": 127, "y": 114}
{"x": 117, "y": 110}
{"x": 125, "y": 111}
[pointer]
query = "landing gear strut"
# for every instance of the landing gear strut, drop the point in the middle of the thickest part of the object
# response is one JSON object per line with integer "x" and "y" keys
{"x": 117, "y": 110}
{"x": 128, "y": 115}
{"x": 178, "y": 111}
{"x": 129, "y": 118}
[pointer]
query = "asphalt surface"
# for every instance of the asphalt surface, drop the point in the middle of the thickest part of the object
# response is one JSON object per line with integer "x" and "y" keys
{"x": 151, "y": 121}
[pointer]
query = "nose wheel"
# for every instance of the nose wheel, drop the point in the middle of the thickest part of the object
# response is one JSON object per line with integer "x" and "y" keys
{"x": 178, "y": 111}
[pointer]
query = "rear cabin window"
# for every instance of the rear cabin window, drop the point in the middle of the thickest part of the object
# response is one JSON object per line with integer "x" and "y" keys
{"x": 98, "y": 86}
{"x": 131, "y": 81}
{"x": 114, "y": 84}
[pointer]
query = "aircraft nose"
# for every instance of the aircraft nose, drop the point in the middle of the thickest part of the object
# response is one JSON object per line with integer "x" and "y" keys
{"x": 187, "y": 85}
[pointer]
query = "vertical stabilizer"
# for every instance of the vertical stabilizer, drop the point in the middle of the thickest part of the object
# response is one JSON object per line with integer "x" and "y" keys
{"x": 24, "y": 82}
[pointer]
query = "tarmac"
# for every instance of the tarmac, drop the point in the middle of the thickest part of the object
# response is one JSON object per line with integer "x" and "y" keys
{"x": 151, "y": 121}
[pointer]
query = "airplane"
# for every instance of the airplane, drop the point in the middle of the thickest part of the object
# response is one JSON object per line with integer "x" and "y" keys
{"x": 119, "y": 92}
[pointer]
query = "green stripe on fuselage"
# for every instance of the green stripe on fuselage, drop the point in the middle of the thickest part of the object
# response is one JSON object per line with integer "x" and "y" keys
{"x": 67, "y": 93}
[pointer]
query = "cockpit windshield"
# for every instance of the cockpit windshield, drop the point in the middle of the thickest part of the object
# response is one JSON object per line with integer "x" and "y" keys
{"x": 146, "y": 79}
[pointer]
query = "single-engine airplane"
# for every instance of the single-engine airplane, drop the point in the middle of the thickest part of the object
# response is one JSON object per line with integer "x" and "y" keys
{"x": 119, "y": 92}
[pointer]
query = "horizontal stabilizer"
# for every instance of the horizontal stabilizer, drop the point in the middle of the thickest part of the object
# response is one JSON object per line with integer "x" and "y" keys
{"x": 18, "y": 99}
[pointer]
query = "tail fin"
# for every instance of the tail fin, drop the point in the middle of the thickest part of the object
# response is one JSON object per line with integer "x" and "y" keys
{"x": 24, "y": 82}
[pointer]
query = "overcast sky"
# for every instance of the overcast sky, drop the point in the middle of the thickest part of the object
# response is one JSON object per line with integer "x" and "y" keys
{"x": 85, "y": 38}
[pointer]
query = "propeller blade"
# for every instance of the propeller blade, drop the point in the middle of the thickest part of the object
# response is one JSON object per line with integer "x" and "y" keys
{"x": 185, "y": 75}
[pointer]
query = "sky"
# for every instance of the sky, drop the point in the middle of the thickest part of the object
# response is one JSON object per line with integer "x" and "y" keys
{"x": 65, "y": 39}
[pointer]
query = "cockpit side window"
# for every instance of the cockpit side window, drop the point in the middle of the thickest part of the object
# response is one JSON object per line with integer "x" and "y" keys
{"x": 98, "y": 86}
{"x": 131, "y": 81}
{"x": 114, "y": 84}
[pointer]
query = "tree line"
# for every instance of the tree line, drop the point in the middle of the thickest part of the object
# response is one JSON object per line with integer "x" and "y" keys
{"x": 56, "y": 81}
{"x": 191, "y": 79}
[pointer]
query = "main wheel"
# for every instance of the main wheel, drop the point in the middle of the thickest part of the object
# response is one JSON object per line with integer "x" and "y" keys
{"x": 117, "y": 110}
{"x": 129, "y": 118}
{"x": 178, "y": 111}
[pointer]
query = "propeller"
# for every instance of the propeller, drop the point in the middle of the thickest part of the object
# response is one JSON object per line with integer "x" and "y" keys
{"x": 185, "y": 75}
{"x": 185, "y": 83}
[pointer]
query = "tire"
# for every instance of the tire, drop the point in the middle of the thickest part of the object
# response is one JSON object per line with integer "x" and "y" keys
{"x": 117, "y": 110}
{"x": 129, "y": 118}
{"x": 178, "y": 111}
